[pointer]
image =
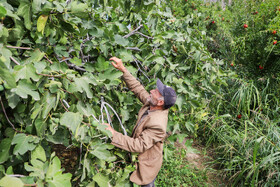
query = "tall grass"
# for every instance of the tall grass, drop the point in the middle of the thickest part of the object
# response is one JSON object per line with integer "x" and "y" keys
{"x": 247, "y": 147}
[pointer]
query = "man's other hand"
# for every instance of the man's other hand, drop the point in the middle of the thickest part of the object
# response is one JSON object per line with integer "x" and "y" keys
{"x": 109, "y": 128}
{"x": 118, "y": 64}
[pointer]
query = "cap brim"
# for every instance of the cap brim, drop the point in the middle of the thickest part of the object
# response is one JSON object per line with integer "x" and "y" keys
{"x": 160, "y": 86}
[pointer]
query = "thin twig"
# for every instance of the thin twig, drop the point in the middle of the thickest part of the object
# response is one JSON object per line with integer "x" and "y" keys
{"x": 16, "y": 175}
{"x": 14, "y": 60}
{"x": 48, "y": 59}
{"x": 133, "y": 48}
{"x": 76, "y": 67}
{"x": 65, "y": 102}
{"x": 145, "y": 68}
{"x": 30, "y": 185}
{"x": 133, "y": 32}
{"x": 65, "y": 59}
{"x": 139, "y": 69}
{"x": 81, "y": 151}
{"x": 15, "y": 47}
{"x": 81, "y": 51}
{"x": 148, "y": 37}
{"x": 7, "y": 115}
{"x": 64, "y": 106}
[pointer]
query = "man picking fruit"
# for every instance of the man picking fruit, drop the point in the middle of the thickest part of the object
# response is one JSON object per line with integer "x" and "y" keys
{"x": 150, "y": 129}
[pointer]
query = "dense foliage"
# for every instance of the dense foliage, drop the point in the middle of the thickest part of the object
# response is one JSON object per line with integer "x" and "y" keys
{"x": 57, "y": 86}
{"x": 55, "y": 72}
{"x": 245, "y": 36}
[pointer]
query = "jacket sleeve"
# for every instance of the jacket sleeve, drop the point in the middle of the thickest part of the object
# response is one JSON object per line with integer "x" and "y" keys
{"x": 136, "y": 87}
{"x": 150, "y": 136}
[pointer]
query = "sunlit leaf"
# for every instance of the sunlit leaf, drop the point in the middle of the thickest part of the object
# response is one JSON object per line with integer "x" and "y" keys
{"x": 54, "y": 174}
{"x": 41, "y": 23}
{"x": 24, "y": 143}
{"x": 3, "y": 12}
{"x": 71, "y": 120}
{"x": 6, "y": 75}
{"x": 8, "y": 181}
{"x": 25, "y": 88}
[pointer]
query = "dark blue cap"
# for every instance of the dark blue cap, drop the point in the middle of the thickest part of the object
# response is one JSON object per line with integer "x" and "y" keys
{"x": 168, "y": 93}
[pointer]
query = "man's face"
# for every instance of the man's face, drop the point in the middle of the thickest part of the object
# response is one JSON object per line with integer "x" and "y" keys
{"x": 154, "y": 97}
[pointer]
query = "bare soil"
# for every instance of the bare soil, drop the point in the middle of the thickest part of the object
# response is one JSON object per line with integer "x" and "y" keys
{"x": 201, "y": 159}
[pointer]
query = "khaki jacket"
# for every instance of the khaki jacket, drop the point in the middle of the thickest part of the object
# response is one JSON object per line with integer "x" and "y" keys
{"x": 147, "y": 138}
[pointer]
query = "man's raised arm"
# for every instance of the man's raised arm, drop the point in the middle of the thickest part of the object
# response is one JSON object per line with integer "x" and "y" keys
{"x": 134, "y": 85}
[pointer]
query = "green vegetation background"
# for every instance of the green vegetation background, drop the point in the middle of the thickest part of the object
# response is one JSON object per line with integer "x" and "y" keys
{"x": 223, "y": 62}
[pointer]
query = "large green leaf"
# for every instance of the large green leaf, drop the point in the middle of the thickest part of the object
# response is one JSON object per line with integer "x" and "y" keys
{"x": 102, "y": 153}
{"x": 85, "y": 108}
{"x": 24, "y": 143}
{"x": 76, "y": 61}
{"x": 24, "y": 10}
{"x": 35, "y": 57}
{"x": 71, "y": 120}
{"x": 78, "y": 7}
{"x": 6, "y": 75}
{"x": 54, "y": 86}
{"x": 49, "y": 103}
{"x": 125, "y": 175}
{"x": 38, "y": 153}
{"x": 6, "y": 55}
{"x": 36, "y": 5}
{"x": 125, "y": 55}
{"x": 8, "y": 181}
{"x": 54, "y": 175}
{"x": 180, "y": 101}
{"x": 83, "y": 84}
{"x": 4, "y": 149}
{"x": 13, "y": 99}
{"x": 121, "y": 40}
{"x": 102, "y": 180}
{"x": 61, "y": 51}
{"x": 3, "y": 12}
{"x": 38, "y": 159}
{"x": 110, "y": 74}
{"x": 25, "y": 88}
{"x": 101, "y": 64}
{"x": 41, "y": 23}
{"x": 26, "y": 72}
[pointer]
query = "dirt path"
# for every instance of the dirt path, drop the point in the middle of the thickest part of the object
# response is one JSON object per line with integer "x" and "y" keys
{"x": 200, "y": 158}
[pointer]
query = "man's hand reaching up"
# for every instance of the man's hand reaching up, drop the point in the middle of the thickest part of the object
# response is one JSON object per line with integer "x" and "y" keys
{"x": 118, "y": 64}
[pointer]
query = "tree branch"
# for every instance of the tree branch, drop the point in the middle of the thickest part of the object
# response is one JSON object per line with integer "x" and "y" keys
{"x": 148, "y": 37}
{"x": 133, "y": 48}
{"x": 133, "y": 32}
{"x": 48, "y": 59}
{"x": 16, "y": 175}
{"x": 15, "y": 47}
{"x": 30, "y": 185}
{"x": 139, "y": 69}
{"x": 136, "y": 32}
{"x": 7, "y": 115}
{"x": 76, "y": 67}
{"x": 14, "y": 60}
{"x": 63, "y": 106}
{"x": 66, "y": 59}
